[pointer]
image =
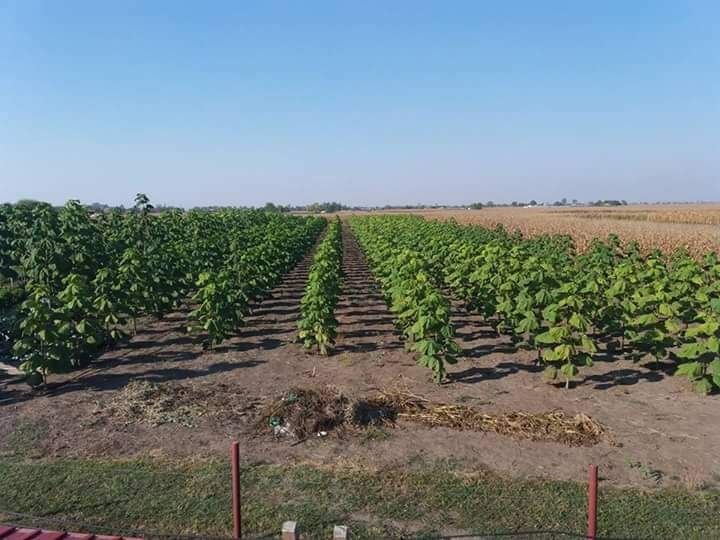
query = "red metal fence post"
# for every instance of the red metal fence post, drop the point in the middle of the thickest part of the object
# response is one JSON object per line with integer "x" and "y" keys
{"x": 236, "y": 501}
{"x": 592, "y": 501}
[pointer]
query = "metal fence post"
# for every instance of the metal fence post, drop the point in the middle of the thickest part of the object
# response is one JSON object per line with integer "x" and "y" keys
{"x": 236, "y": 500}
{"x": 592, "y": 501}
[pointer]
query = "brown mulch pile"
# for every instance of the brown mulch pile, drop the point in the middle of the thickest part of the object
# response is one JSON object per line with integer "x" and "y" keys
{"x": 171, "y": 403}
{"x": 301, "y": 413}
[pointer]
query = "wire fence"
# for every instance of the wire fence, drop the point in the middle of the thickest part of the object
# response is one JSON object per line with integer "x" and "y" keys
{"x": 19, "y": 519}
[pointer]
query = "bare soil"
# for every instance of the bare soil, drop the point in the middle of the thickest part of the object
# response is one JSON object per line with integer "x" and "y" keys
{"x": 657, "y": 432}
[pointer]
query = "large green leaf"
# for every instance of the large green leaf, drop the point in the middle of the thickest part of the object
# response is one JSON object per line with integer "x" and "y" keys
{"x": 569, "y": 370}
{"x": 703, "y": 386}
{"x": 691, "y": 350}
{"x": 690, "y": 369}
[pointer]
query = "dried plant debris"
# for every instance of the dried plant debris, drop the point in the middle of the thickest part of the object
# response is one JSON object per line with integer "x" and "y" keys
{"x": 556, "y": 426}
{"x": 302, "y": 413}
{"x": 175, "y": 403}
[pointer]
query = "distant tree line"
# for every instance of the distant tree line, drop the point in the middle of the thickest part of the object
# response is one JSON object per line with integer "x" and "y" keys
{"x": 561, "y": 202}
{"x": 331, "y": 207}
{"x": 317, "y": 207}
{"x": 328, "y": 207}
{"x": 608, "y": 202}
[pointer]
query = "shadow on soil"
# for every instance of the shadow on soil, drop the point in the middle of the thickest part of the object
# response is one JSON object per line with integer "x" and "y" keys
{"x": 366, "y": 324}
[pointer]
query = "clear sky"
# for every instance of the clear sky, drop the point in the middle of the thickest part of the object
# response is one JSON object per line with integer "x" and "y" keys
{"x": 373, "y": 102}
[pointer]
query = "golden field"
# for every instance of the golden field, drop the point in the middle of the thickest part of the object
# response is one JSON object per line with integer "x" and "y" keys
{"x": 668, "y": 227}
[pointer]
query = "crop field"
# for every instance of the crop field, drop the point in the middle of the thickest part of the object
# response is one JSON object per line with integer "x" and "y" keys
{"x": 666, "y": 227}
{"x": 402, "y": 374}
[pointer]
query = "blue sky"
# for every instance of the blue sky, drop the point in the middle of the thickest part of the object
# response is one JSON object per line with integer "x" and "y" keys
{"x": 374, "y": 102}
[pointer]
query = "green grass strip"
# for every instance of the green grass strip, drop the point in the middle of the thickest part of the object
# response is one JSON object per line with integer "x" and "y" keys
{"x": 423, "y": 500}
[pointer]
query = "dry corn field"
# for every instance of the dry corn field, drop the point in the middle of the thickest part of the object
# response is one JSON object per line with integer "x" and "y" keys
{"x": 695, "y": 227}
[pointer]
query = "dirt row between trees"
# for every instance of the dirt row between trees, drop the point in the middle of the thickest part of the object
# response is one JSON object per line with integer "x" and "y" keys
{"x": 190, "y": 402}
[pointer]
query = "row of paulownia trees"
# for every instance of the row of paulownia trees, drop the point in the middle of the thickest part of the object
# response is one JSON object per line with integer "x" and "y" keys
{"x": 81, "y": 281}
{"x": 569, "y": 307}
{"x": 86, "y": 279}
{"x": 611, "y": 300}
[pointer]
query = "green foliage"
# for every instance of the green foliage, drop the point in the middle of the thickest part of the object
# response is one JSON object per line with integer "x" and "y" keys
{"x": 254, "y": 264}
{"x": 651, "y": 314}
{"x": 9, "y": 326}
{"x": 81, "y": 277}
{"x": 406, "y": 275}
{"x": 544, "y": 296}
{"x": 566, "y": 343}
{"x": 79, "y": 328}
{"x": 41, "y": 346}
{"x": 317, "y": 324}
{"x": 11, "y": 296}
{"x": 423, "y": 314}
{"x": 109, "y": 303}
{"x": 70, "y": 281}
{"x": 701, "y": 352}
{"x": 218, "y": 313}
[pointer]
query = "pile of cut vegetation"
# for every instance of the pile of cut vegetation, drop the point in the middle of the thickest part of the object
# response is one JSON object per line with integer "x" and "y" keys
{"x": 301, "y": 413}
{"x": 174, "y": 403}
{"x": 555, "y": 426}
